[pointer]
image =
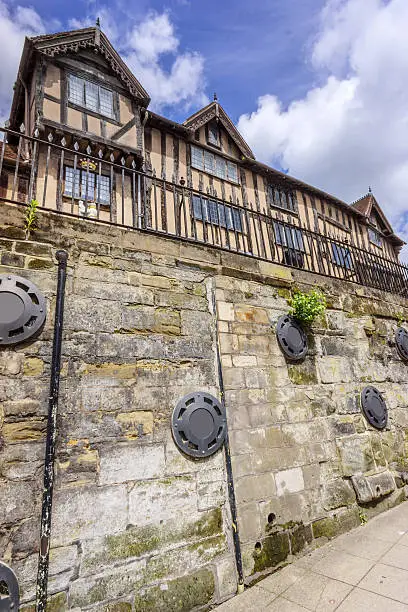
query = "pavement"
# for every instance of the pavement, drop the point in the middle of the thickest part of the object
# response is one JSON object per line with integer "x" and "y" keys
{"x": 365, "y": 570}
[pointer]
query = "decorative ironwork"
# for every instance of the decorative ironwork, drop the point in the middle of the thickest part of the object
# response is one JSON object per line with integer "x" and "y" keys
{"x": 401, "y": 339}
{"x": 145, "y": 201}
{"x": 292, "y": 338}
{"x": 199, "y": 424}
{"x": 374, "y": 407}
{"x": 22, "y": 309}
{"x": 10, "y": 600}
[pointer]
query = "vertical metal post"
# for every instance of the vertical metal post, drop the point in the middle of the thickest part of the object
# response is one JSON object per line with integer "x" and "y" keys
{"x": 228, "y": 465}
{"x": 45, "y": 535}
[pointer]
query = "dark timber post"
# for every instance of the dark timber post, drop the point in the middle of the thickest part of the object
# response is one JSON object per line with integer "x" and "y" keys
{"x": 228, "y": 466}
{"x": 43, "y": 560}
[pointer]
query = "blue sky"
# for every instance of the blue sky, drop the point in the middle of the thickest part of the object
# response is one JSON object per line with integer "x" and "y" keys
{"x": 317, "y": 87}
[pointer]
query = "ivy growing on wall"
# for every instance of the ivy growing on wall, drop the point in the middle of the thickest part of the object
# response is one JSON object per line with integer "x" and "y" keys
{"x": 306, "y": 307}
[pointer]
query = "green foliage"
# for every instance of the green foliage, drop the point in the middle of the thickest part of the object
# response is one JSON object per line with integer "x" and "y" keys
{"x": 306, "y": 307}
{"x": 363, "y": 517}
{"x": 400, "y": 319}
{"x": 30, "y": 219}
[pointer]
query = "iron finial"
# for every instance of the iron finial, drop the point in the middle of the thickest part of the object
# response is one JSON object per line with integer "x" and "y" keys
{"x": 215, "y": 97}
{"x": 98, "y": 22}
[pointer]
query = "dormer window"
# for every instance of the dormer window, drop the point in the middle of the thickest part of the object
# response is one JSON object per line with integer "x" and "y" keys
{"x": 213, "y": 134}
{"x": 374, "y": 237}
{"x": 91, "y": 96}
{"x": 281, "y": 198}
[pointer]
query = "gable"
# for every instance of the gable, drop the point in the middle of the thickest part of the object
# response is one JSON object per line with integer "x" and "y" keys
{"x": 75, "y": 46}
{"x": 214, "y": 111}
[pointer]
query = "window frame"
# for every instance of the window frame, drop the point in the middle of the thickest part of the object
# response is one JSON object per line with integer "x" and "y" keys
{"x": 85, "y": 78}
{"x": 225, "y": 215}
{"x": 208, "y": 126}
{"x": 82, "y": 172}
{"x": 341, "y": 256}
{"x": 377, "y": 240}
{"x": 202, "y": 167}
{"x": 275, "y": 198}
{"x": 291, "y": 231}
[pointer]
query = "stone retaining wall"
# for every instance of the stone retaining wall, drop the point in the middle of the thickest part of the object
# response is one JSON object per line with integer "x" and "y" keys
{"x": 136, "y": 525}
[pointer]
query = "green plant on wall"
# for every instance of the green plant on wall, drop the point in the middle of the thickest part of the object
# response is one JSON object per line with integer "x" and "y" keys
{"x": 30, "y": 219}
{"x": 306, "y": 307}
{"x": 400, "y": 319}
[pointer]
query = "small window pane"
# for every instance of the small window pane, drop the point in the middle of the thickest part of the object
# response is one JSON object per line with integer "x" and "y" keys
{"x": 236, "y": 215}
{"x": 103, "y": 189}
{"x": 232, "y": 172}
{"x": 374, "y": 237}
{"x": 342, "y": 256}
{"x": 76, "y": 90}
{"x": 209, "y": 162}
{"x": 88, "y": 186}
{"x": 197, "y": 158}
{"x": 91, "y": 96}
{"x": 221, "y": 168}
{"x": 69, "y": 182}
{"x": 199, "y": 207}
{"x": 105, "y": 102}
{"x": 213, "y": 212}
{"x": 213, "y": 134}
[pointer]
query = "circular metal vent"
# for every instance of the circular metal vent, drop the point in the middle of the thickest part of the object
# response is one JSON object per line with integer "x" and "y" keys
{"x": 292, "y": 338}
{"x": 22, "y": 309}
{"x": 401, "y": 338}
{"x": 374, "y": 407}
{"x": 11, "y": 599}
{"x": 199, "y": 424}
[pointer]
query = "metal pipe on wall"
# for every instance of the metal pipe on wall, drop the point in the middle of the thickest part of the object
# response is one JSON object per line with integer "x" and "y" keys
{"x": 228, "y": 464}
{"x": 45, "y": 535}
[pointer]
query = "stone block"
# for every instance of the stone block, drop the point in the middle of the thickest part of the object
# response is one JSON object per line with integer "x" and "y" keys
{"x": 130, "y": 461}
{"x": 227, "y": 579}
{"x": 334, "y": 369}
{"x": 289, "y": 481}
{"x": 161, "y": 500}
{"x": 355, "y": 454}
{"x": 311, "y": 476}
{"x": 337, "y": 494}
{"x": 211, "y": 495}
{"x": 249, "y": 524}
{"x": 251, "y": 314}
{"x": 18, "y": 501}
{"x": 90, "y": 512}
{"x": 255, "y": 488}
{"x": 244, "y": 361}
{"x": 372, "y": 488}
{"x": 225, "y": 311}
{"x": 193, "y": 590}
{"x": 136, "y": 424}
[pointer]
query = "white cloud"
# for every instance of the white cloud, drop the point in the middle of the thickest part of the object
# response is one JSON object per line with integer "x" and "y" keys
{"x": 143, "y": 46}
{"x": 15, "y": 24}
{"x": 352, "y": 130}
{"x": 183, "y": 82}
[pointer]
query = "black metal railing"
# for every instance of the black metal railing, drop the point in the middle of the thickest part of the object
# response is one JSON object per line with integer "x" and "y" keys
{"x": 90, "y": 181}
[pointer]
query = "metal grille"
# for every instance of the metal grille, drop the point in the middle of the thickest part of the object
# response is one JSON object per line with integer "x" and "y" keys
{"x": 374, "y": 407}
{"x": 199, "y": 424}
{"x": 401, "y": 339}
{"x": 22, "y": 309}
{"x": 10, "y": 598}
{"x": 292, "y": 338}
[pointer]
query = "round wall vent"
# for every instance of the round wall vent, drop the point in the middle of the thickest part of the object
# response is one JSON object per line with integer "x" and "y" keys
{"x": 199, "y": 424}
{"x": 22, "y": 309}
{"x": 374, "y": 407}
{"x": 292, "y": 338}
{"x": 401, "y": 338}
{"x": 9, "y": 600}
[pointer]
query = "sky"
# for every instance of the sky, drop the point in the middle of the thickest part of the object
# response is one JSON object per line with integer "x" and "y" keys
{"x": 318, "y": 88}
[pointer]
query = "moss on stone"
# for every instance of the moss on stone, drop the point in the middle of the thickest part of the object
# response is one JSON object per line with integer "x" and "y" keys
{"x": 120, "y": 606}
{"x": 274, "y": 550}
{"x": 138, "y": 541}
{"x": 55, "y": 603}
{"x": 299, "y": 537}
{"x": 333, "y": 526}
{"x": 303, "y": 373}
{"x": 179, "y": 595}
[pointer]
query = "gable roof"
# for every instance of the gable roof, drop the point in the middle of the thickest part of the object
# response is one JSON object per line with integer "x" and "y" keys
{"x": 214, "y": 110}
{"x": 366, "y": 205}
{"x": 61, "y": 43}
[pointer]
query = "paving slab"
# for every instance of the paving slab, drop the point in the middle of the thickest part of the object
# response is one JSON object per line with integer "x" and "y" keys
{"x": 365, "y": 570}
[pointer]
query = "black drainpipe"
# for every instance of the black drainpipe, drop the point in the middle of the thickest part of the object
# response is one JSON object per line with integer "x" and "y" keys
{"x": 228, "y": 465}
{"x": 43, "y": 560}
